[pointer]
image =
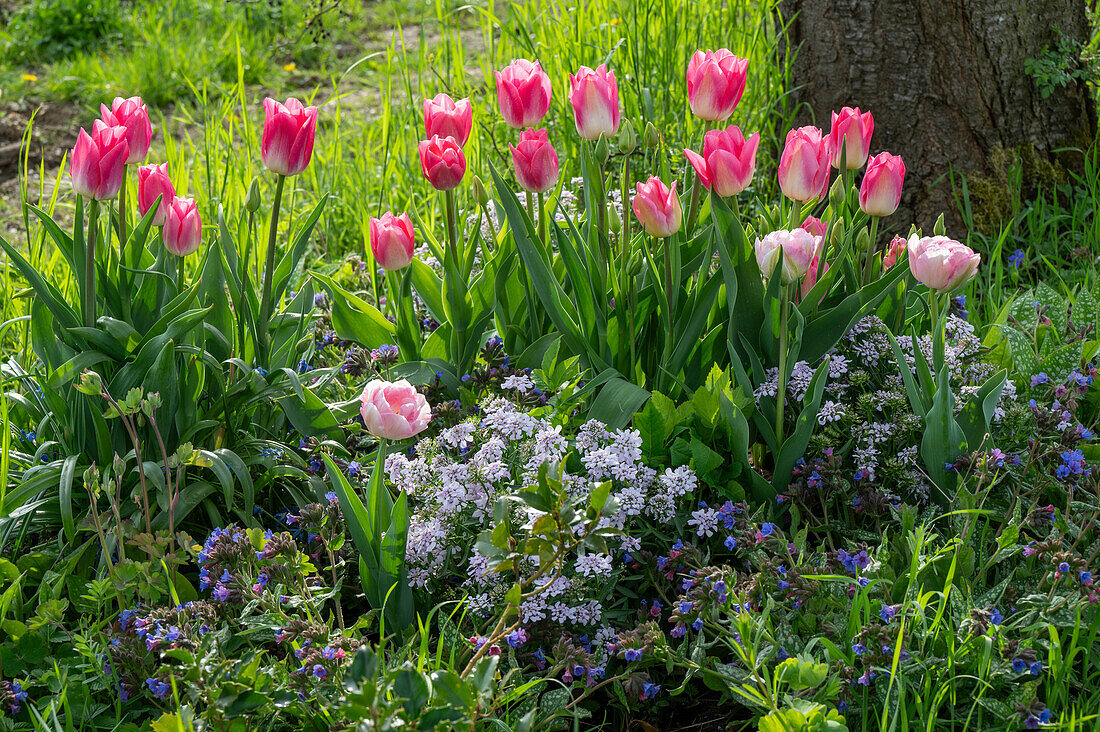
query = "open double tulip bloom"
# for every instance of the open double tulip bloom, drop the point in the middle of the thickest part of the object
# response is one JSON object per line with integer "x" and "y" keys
{"x": 182, "y": 227}
{"x": 154, "y": 181}
{"x": 941, "y": 263}
{"x": 852, "y": 129}
{"x": 657, "y": 207}
{"x": 804, "y": 164}
{"x": 392, "y": 241}
{"x": 799, "y": 248}
{"x": 445, "y": 117}
{"x": 535, "y": 161}
{"x": 131, "y": 114}
{"x": 289, "y": 129}
{"x": 99, "y": 161}
{"x": 728, "y": 160}
{"x": 443, "y": 162}
{"x": 715, "y": 82}
{"x": 594, "y": 95}
{"x": 523, "y": 93}
{"x": 880, "y": 192}
{"x": 394, "y": 411}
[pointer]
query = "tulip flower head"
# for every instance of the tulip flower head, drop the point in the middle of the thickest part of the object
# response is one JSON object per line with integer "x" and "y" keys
{"x": 289, "y": 130}
{"x": 392, "y": 241}
{"x": 880, "y": 192}
{"x": 818, "y": 267}
{"x": 815, "y": 226}
{"x": 941, "y": 263}
{"x": 445, "y": 117}
{"x": 804, "y": 164}
{"x": 535, "y": 161}
{"x": 523, "y": 93}
{"x": 715, "y": 82}
{"x": 594, "y": 95}
{"x": 154, "y": 181}
{"x": 894, "y": 252}
{"x": 798, "y": 247}
{"x": 442, "y": 161}
{"x": 657, "y": 207}
{"x": 851, "y": 129}
{"x": 99, "y": 161}
{"x": 394, "y": 411}
{"x": 728, "y": 160}
{"x": 182, "y": 227}
{"x": 131, "y": 114}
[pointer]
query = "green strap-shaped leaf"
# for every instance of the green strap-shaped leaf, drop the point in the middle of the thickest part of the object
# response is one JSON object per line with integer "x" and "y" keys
{"x": 978, "y": 411}
{"x": 795, "y": 445}
{"x": 943, "y": 439}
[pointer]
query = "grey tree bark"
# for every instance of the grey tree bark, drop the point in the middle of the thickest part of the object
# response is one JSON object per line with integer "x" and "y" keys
{"x": 945, "y": 80}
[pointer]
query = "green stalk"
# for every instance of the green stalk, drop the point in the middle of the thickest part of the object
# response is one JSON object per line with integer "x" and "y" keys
{"x": 543, "y": 223}
{"x": 868, "y": 270}
{"x": 179, "y": 274}
{"x": 781, "y": 392}
{"x": 669, "y": 299}
{"x": 269, "y": 267}
{"x": 693, "y": 207}
{"x": 89, "y": 266}
{"x": 122, "y": 219}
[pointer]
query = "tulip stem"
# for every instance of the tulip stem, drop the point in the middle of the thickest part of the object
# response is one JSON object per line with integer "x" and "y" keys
{"x": 179, "y": 275}
{"x": 452, "y": 233}
{"x": 670, "y": 295}
{"x": 269, "y": 267}
{"x": 868, "y": 270}
{"x": 693, "y": 207}
{"x": 122, "y": 218}
{"x": 544, "y": 228}
{"x": 781, "y": 390}
{"x": 89, "y": 265}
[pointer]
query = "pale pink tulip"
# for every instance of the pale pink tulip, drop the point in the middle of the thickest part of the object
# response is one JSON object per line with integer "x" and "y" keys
{"x": 853, "y": 130}
{"x": 880, "y": 192}
{"x": 941, "y": 263}
{"x": 728, "y": 160}
{"x": 894, "y": 253}
{"x": 715, "y": 82}
{"x": 392, "y": 241}
{"x": 523, "y": 93}
{"x": 815, "y": 226}
{"x": 657, "y": 208}
{"x": 182, "y": 227}
{"x": 798, "y": 246}
{"x": 445, "y": 117}
{"x": 535, "y": 161}
{"x": 394, "y": 411}
{"x": 594, "y": 95}
{"x": 804, "y": 164}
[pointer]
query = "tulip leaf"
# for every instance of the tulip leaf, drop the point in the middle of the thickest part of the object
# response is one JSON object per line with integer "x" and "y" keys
{"x": 355, "y": 319}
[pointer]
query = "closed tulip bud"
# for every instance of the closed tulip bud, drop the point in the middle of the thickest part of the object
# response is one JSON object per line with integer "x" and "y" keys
{"x": 442, "y": 161}
{"x": 614, "y": 221}
{"x": 628, "y": 140}
{"x": 394, "y": 411}
{"x": 804, "y": 164}
{"x": 880, "y": 192}
{"x": 728, "y": 161}
{"x": 941, "y": 263}
{"x": 798, "y": 247}
{"x": 715, "y": 82}
{"x": 153, "y": 181}
{"x": 594, "y": 95}
{"x": 657, "y": 207}
{"x": 131, "y": 114}
{"x": 652, "y": 137}
{"x": 851, "y": 131}
{"x": 481, "y": 193}
{"x": 523, "y": 93}
{"x": 836, "y": 234}
{"x": 837, "y": 193}
{"x": 603, "y": 150}
{"x": 863, "y": 240}
{"x": 535, "y": 161}
{"x": 99, "y": 161}
{"x": 939, "y": 228}
{"x": 182, "y": 233}
{"x": 445, "y": 117}
{"x": 392, "y": 241}
{"x": 252, "y": 201}
{"x": 289, "y": 129}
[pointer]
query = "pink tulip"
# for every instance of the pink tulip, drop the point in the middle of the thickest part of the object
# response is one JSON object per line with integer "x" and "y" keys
{"x": 99, "y": 161}
{"x": 523, "y": 93}
{"x": 289, "y": 129}
{"x": 941, "y": 263}
{"x": 715, "y": 81}
{"x": 728, "y": 160}
{"x": 442, "y": 161}
{"x": 880, "y": 191}
{"x": 392, "y": 241}
{"x": 804, "y": 164}
{"x": 815, "y": 226}
{"x": 131, "y": 114}
{"x": 799, "y": 248}
{"x": 657, "y": 208}
{"x": 445, "y": 117}
{"x": 394, "y": 411}
{"x": 153, "y": 181}
{"x": 595, "y": 99}
{"x": 182, "y": 227}
{"x": 853, "y": 130}
{"x": 535, "y": 161}
{"x": 894, "y": 253}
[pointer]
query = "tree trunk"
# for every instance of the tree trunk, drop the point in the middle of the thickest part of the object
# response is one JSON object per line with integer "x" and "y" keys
{"x": 946, "y": 82}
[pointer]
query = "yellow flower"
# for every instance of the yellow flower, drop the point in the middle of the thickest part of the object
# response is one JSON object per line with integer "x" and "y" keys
{"x": 290, "y": 66}
{"x": 30, "y": 77}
